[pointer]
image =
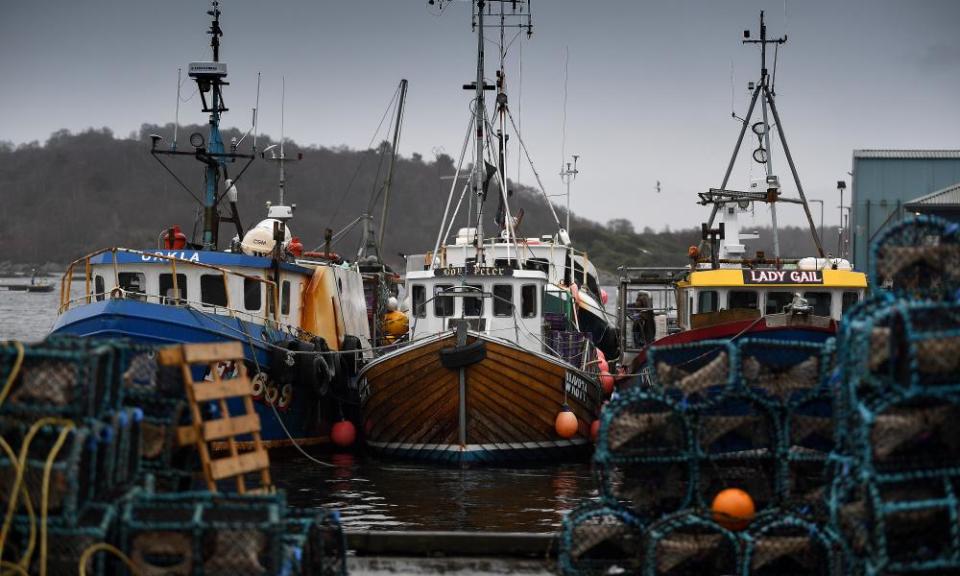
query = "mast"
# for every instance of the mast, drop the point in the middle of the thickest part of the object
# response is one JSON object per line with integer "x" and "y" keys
{"x": 765, "y": 92}
{"x": 210, "y": 77}
{"x": 479, "y": 124}
{"x": 393, "y": 159}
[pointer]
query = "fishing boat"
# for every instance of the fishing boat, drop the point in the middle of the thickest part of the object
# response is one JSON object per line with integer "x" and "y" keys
{"x": 727, "y": 294}
{"x": 507, "y": 334}
{"x": 302, "y": 319}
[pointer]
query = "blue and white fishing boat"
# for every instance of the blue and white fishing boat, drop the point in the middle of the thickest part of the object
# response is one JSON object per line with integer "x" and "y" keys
{"x": 301, "y": 317}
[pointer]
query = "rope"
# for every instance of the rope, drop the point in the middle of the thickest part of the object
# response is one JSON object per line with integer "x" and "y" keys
{"x": 253, "y": 354}
{"x": 104, "y": 547}
{"x": 24, "y": 562}
{"x": 14, "y": 372}
{"x": 47, "y": 467}
{"x": 18, "y": 481}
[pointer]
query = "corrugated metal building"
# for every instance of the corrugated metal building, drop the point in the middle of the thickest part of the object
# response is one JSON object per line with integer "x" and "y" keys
{"x": 885, "y": 182}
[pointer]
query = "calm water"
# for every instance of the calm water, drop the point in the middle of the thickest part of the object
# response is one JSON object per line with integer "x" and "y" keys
{"x": 377, "y": 494}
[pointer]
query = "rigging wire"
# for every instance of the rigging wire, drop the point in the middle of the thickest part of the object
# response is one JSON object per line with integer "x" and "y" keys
{"x": 363, "y": 159}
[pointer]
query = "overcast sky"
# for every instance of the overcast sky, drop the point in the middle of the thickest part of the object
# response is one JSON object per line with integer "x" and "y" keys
{"x": 649, "y": 91}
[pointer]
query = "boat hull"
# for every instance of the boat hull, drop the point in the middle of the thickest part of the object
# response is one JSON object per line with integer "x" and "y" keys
{"x": 741, "y": 329}
{"x": 496, "y": 406}
{"x": 156, "y": 324}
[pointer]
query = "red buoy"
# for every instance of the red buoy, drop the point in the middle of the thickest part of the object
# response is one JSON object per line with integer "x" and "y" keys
{"x": 173, "y": 239}
{"x": 606, "y": 381}
{"x": 295, "y": 247}
{"x": 343, "y": 433}
{"x": 595, "y": 430}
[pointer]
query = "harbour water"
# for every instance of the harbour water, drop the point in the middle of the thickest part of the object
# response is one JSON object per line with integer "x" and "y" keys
{"x": 374, "y": 494}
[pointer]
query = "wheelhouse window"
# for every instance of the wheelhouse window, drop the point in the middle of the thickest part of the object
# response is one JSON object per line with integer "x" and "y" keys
{"x": 213, "y": 290}
{"x": 419, "y": 298}
{"x": 169, "y": 294}
{"x": 473, "y": 305}
{"x": 98, "y": 288}
{"x": 820, "y": 302}
{"x": 850, "y": 298}
{"x": 528, "y": 300}
{"x": 742, "y": 299}
{"x": 285, "y": 297}
{"x": 776, "y": 302}
{"x": 502, "y": 300}
{"x": 442, "y": 305}
{"x": 252, "y": 294}
{"x": 707, "y": 301}
{"x": 134, "y": 284}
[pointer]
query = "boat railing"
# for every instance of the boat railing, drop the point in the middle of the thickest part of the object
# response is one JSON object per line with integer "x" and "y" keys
{"x": 270, "y": 314}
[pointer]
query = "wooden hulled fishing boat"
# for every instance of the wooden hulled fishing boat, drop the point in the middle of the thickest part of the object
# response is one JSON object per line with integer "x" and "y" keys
{"x": 507, "y": 334}
{"x": 486, "y": 388}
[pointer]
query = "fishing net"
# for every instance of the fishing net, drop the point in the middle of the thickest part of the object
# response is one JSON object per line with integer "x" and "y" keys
{"x": 900, "y": 433}
{"x": 643, "y": 456}
{"x": 600, "y": 538}
{"x": 73, "y": 474}
{"x": 66, "y": 542}
{"x": 918, "y": 258}
{"x": 786, "y": 372}
{"x": 60, "y": 377}
{"x": 902, "y": 522}
{"x": 688, "y": 543}
{"x": 783, "y": 544}
{"x": 695, "y": 370}
{"x": 203, "y": 533}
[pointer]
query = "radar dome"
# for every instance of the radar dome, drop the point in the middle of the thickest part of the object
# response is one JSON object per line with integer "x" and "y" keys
{"x": 258, "y": 242}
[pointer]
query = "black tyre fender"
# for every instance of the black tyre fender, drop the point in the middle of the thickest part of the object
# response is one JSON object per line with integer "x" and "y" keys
{"x": 461, "y": 356}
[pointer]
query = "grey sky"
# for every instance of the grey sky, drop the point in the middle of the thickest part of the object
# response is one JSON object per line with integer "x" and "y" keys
{"x": 649, "y": 90}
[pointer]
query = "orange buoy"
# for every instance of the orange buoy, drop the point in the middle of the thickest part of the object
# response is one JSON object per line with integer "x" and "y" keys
{"x": 606, "y": 381}
{"x": 595, "y": 430}
{"x": 733, "y": 509}
{"x": 566, "y": 423}
{"x": 343, "y": 433}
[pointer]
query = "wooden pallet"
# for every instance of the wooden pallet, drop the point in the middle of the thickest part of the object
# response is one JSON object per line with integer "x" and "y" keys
{"x": 226, "y": 426}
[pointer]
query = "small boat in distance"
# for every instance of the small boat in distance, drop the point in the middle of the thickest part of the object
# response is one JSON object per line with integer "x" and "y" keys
{"x": 507, "y": 333}
{"x": 302, "y": 320}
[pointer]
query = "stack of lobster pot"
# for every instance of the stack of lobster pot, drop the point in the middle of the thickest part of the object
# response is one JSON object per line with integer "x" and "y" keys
{"x": 70, "y": 447}
{"x": 895, "y": 497}
{"x": 754, "y": 415}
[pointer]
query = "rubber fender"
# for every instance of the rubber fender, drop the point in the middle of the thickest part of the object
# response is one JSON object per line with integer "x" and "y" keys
{"x": 461, "y": 356}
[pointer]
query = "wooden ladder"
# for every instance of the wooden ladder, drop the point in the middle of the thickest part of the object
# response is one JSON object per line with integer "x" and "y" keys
{"x": 224, "y": 426}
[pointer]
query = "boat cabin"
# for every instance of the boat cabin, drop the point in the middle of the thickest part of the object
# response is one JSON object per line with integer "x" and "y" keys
{"x": 496, "y": 301}
{"x": 709, "y": 297}
{"x": 223, "y": 284}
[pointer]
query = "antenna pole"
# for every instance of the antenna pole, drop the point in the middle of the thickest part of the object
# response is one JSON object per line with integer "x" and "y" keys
{"x": 283, "y": 99}
{"x": 256, "y": 113}
{"x": 215, "y": 151}
{"x": 764, "y": 80}
{"x": 176, "y": 114}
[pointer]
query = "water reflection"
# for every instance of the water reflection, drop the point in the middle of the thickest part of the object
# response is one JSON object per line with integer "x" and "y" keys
{"x": 373, "y": 493}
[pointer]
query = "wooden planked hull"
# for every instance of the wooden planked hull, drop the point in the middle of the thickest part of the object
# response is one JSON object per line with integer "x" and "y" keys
{"x": 499, "y": 408}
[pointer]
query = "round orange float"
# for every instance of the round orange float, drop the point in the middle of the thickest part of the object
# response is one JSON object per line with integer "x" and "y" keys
{"x": 566, "y": 424}
{"x": 733, "y": 509}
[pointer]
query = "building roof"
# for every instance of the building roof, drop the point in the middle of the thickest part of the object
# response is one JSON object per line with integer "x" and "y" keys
{"x": 947, "y": 197}
{"x": 908, "y": 154}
